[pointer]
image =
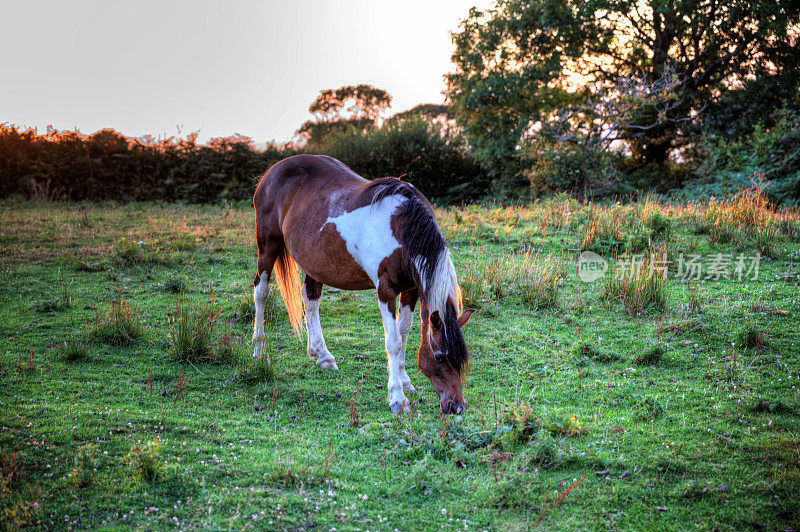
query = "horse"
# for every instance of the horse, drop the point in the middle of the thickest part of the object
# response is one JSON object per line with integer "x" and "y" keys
{"x": 347, "y": 232}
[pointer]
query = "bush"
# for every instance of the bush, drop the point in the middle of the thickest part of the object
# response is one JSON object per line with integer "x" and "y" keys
{"x": 562, "y": 166}
{"x": 434, "y": 159}
{"x": 66, "y": 165}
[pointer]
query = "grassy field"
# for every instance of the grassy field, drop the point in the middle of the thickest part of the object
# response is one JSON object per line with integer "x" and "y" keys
{"x": 128, "y": 399}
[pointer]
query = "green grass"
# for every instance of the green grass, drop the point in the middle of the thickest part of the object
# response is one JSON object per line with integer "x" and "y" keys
{"x": 678, "y": 415}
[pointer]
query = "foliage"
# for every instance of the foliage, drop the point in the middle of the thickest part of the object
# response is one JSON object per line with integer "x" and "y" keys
{"x": 434, "y": 159}
{"x": 520, "y": 64}
{"x": 365, "y": 106}
{"x": 66, "y": 165}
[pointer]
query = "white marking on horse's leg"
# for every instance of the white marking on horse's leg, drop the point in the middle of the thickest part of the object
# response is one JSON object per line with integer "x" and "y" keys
{"x": 405, "y": 316}
{"x": 316, "y": 343}
{"x": 260, "y": 293}
{"x": 397, "y": 399}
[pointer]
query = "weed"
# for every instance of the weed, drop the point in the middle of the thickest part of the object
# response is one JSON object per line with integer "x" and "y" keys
{"x": 659, "y": 226}
{"x": 10, "y": 472}
{"x": 128, "y": 252}
{"x": 144, "y": 461}
{"x": 650, "y": 356}
{"x": 119, "y": 326}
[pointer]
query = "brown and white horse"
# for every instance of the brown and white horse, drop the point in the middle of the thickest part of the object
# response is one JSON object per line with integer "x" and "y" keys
{"x": 350, "y": 233}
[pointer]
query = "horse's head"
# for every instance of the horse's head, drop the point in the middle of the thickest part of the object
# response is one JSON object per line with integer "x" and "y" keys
{"x": 443, "y": 356}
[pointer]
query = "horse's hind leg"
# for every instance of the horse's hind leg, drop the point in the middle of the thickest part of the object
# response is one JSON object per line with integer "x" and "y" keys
{"x": 405, "y": 316}
{"x": 312, "y": 294}
{"x": 267, "y": 253}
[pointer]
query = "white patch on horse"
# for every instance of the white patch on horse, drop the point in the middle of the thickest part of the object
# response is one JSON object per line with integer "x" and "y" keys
{"x": 404, "y": 318}
{"x": 367, "y": 233}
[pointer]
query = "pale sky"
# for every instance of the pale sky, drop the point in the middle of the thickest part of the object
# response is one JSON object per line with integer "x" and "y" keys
{"x": 249, "y": 67}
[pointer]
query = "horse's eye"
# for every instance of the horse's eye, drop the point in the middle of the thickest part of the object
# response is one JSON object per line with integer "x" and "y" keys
{"x": 439, "y": 357}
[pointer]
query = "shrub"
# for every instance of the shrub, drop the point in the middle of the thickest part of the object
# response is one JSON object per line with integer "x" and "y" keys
{"x": 119, "y": 326}
{"x": 436, "y": 160}
{"x": 144, "y": 461}
{"x": 578, "y": 169}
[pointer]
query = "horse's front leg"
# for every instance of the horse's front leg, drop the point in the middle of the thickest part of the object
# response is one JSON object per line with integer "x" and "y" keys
{"x": 312, "y": 294}
{"x": 394, "y": 343}
{"x": 405, "y": 317}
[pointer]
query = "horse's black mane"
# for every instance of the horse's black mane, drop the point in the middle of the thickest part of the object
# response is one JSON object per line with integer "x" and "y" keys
{"x": 422, "y": 239}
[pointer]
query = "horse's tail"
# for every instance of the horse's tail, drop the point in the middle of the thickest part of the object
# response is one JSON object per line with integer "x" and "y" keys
{"x": 288, "y": 277}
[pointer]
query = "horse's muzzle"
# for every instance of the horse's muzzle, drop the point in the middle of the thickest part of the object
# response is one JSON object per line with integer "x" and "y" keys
{"x": 451, "y": 406}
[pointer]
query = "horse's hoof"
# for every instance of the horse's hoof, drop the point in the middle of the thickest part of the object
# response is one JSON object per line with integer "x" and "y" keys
{"x": 408, "y": 387}
{"x": 328, "y": 363}
{"x": 398, "y": 407}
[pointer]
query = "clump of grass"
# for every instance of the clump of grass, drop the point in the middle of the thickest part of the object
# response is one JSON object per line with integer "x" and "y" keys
{"x": 603, "y": 231}
{"x": 83, "y": 473}
{"x": 119, "y": 326}
{"x": 175, "y": 285}
{"x": 63, "y": 301}
{"x": 250, "y": 369}
{"x": 747, "y": 216}
{"x": 659, "y": 226}
{"x": 585, "y": 351}
{"x": 640, "y": 285}
{"x": 144, "y": 461}
{"x": 192, "y": 331}
{"x": 650, "y": 356}
{"x": 538, "y": 279}
{"x": 649, "y": 409}
{"x": 750, "y": 336}
{"x": 526, "y": 424}
{"x": 75, "y": 348}
{"x": 127, "y": 252}
{"x": 245, "y": 308}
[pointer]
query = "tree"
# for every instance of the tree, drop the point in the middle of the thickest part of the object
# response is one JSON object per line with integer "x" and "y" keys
{"x": 522, "y": 64}
{"x": 351, "y": 107}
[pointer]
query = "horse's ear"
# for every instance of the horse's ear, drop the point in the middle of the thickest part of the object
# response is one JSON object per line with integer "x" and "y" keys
{"x": 436, "y": 321}
{"x": 465, "y": 316}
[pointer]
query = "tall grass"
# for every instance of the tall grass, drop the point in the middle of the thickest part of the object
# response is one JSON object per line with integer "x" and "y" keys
{"x": 192, "y": 331}
{"x": 532, "y": 276}
{"x": 639, "y": 286}
{"x": 120, "y": 325}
